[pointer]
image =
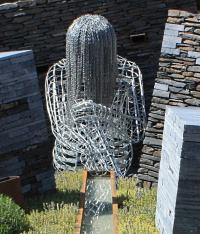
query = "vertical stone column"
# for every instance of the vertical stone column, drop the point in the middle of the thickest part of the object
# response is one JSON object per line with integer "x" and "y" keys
{"x": 178, "y": 196}
{"x": 177, "y": 84}
{"x": 22, "y": 121}
{"x": 24, "y": 139}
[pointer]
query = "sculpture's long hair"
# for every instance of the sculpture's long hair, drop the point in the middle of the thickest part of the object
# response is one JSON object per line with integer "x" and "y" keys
{"x": 91, "y": 55}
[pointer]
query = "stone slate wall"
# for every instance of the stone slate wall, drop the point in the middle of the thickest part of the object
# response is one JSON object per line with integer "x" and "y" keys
{"x": 177, "y": 84}
{"x": 23, "y": 129}
{"x": 22, "y": 121}
{"x": 40, "y": 25}
{"x": 178, "y": 200}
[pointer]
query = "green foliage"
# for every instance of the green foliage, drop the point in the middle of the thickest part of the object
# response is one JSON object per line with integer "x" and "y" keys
{"x": 136, "y": 208}
{"x": 12, "y": 217}
{"x": 55, "y": 218}
{"x": 56, "y": 212}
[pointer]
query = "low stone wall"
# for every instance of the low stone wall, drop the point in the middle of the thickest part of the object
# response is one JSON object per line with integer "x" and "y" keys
{"x": 177, "y": 84}
{"x": 34, "y": 166}
{"x": 25, "y": 148}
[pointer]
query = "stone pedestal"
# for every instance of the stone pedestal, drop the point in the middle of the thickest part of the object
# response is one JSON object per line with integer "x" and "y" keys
{"x": 178, "y": 196}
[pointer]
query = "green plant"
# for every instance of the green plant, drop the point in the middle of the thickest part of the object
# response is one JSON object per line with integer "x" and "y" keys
{"x": 12, "y": 217}
{"x": 136, "y": 208}
{"x": 56, "y": 212}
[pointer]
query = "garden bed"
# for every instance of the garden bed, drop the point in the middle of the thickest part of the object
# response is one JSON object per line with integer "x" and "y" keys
{"x": 56, "y": 213}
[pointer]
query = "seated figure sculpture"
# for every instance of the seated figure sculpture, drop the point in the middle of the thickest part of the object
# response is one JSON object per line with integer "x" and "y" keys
{"x": 95, "y": 101}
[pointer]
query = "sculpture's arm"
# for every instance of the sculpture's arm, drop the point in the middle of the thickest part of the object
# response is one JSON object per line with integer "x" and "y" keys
{"x": 57, "y": 105}
{"x": 129, "y": 97}
{"x": 98, "y": 127}
{"x": 55, "y": 87}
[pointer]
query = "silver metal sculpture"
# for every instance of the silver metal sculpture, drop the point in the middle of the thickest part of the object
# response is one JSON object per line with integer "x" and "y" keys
{"x": 95, "y": 101}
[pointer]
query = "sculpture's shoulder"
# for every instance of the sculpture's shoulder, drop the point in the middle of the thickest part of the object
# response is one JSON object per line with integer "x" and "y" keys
{"x": 127, "y": 69}
{"x": 128, "y": 72}
{"x": 59, "y": 66}
{"x": 121, "y": 61}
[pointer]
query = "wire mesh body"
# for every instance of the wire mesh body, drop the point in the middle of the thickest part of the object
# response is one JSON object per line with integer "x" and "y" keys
{"x": 100, "y": 137}
{"x": 95, "y": 101}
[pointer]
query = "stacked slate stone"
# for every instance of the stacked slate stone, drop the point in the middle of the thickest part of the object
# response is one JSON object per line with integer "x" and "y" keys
{"x": 42, "y": 24}
{"x": 178, "y": 195}
{"x": 177, "y": 84}
{"x": 23, "y": 129}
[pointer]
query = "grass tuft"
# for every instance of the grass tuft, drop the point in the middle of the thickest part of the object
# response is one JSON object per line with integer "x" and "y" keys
{"x": 56, "y": 213}
{"x": 136, "y": 208}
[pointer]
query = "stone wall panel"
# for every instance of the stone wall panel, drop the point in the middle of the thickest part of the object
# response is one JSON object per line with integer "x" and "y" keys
{"x": 177, "y": 81}
{"x": 25, "y": 145}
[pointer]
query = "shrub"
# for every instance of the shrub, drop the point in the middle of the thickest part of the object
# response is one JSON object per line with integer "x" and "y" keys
{"x": 12, "y": 218}
{"x": 137, "y": 208}
{"x": 56, "y": 212}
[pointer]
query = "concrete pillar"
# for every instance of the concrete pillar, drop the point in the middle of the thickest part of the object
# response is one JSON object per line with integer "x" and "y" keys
{"x": 178, "y": 196}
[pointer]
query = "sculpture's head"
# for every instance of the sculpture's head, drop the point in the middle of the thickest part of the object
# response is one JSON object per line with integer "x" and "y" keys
{"x": 91, "y": 58}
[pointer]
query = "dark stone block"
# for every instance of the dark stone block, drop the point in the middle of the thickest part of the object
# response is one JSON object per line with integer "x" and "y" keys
{"x": 150, "y": 157}
{"x": 146, "y": 178}
{"x": 152, "y": 141}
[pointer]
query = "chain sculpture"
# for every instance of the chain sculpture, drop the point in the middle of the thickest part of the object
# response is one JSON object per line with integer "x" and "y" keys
{"x": 94, "y": 100}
